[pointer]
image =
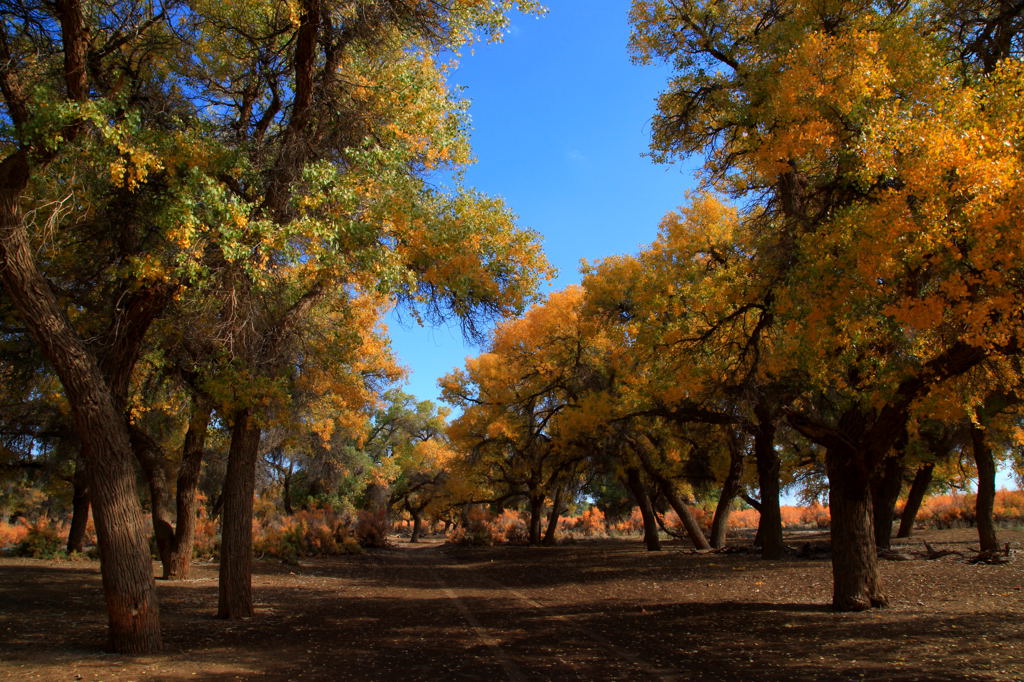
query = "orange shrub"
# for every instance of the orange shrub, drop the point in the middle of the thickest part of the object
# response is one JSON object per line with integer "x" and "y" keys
{"x": 948, "y": 511}
{"x": 475, "y": 528}
{"x": 631, "y": 525}
{"x": 207, "y": 541}
{"x": 509, "y": 527}
{"x": 305, "y": 533}
{"x": 815, "y": 516}
{"x": 12, "y": 534}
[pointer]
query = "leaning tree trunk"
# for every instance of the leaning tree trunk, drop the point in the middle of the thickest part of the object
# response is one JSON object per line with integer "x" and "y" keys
{"x": 79, "y": 509}
{"x": 186, "y": 497}
{"x": 665, "y": 486}
{"x": 690, "y": 525}
{"x": 885, "y": 490}
{"x": 768, "y": 466}
{"x": 556, "y": 512}
{"x": 730, "y": 489}
{"x": 922, "y": 479}
{"x": 985, "y": 501}
{"x": 856, "y": 583}
{"x": 235, "y": 588}
{"x": 643, "y": 500}
{"x": 133, "y": 614}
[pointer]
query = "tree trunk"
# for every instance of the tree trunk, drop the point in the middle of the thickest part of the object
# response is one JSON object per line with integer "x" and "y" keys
{"x": 79, "y": 509}
{"x": 235, "y": 588}
{"x": 693, "y": 529}
{"x": 730, "y": 489}
{"x": 690, "y": 525}
{"x": 922, "y": 479}
{"x": 133, "y": 614}
{"x": 856, "y": 583}
{"x": 768, "y": 465}
{"x": 885, "y": 490}
{"x": 536, "y": 514}
{"x": 556, "y": 511}
{"x": 153, "y": 460}
{"x": 286, "y": 493}
{"x": 417, "y": 522}
{"x": 187, "y": 498}
{"x": 643, "y": 500}
{"x": 985, "y": 501}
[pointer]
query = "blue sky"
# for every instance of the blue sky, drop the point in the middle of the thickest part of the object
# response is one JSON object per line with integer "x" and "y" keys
{"x": 560, "y": 123}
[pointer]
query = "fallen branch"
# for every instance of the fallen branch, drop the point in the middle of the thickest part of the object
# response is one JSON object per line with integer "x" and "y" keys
{"x": 933, "y": 553}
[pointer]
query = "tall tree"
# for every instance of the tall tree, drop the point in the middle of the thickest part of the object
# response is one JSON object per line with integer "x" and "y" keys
{"x": 889, "y": 212}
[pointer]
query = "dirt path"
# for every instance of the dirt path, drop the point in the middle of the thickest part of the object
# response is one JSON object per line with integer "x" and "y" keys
{"x": 593, "y": 611}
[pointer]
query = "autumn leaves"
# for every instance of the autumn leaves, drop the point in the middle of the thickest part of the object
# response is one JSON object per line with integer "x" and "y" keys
{"x": 853, "y": 262}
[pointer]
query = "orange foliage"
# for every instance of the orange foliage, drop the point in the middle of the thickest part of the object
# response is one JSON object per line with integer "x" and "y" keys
{"x": 949, "y": 511}
{"x": 305, "y": 533}
{"x": 12, "y": 534}
{"x": 590, "y": 523}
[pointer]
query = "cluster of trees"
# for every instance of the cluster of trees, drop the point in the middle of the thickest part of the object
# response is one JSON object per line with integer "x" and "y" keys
{"x": 844, "y": 296}
{"x": 205, "y": 208}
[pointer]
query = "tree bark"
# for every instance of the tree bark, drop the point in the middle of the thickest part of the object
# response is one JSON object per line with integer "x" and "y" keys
{"x": 690, "y": 525}
{"x": 730, "y": 490}
{"x": 286, "y": 492}
{"x": 133, "y": 614}
{"x": 665, "y": 486}
{"x": 643, "y": 500}
{"x": 556, "y": 512}
{"x": 985, "y": 500}
{"x": 922, "y": 479}
{"x": 417, "y": 523}
{"x": 79, "y": 509}
{"x": 536, "y": 514}
{"x": 187, "y": 498}
{"x": 856, "y": 583}
{"x": 768, "y": 465}
{"x": 885, "y": 490}
{"x": 235, "y": 586}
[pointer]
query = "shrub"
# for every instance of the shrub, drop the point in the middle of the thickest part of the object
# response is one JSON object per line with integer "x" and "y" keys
{"x": 475, "y": 528}
{"x": 372, "y": 528}
{"x": 509, "y": 528}
{"x": 43, "y": 540}
{"x": 305, "y": 533}
{"x": 12, "y": 534}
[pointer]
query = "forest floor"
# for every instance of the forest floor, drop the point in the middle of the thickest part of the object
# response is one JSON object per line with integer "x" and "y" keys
{"x": 590, "y": 610}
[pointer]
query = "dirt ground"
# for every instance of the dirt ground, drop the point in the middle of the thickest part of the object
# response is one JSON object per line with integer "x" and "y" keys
{"x": 601, "y": 610}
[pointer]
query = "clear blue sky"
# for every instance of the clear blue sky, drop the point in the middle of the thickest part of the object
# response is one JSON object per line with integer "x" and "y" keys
{"x": 560, "y": 123}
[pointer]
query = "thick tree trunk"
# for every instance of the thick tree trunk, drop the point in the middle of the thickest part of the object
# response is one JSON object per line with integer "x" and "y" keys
{"x": 187, "y": 498}
{"x": 856, "y": 583}
{"x": 556, "y": 512}
{"x": 885, "y": 490}
{"x": 730, "y": 489}
{"x": 417, "y": 525}
{"x": 985, "y": 500}
{"x": 643, "y": 500}
{"x": 79, "y": 509}
{"x": 768, "y": 465}
{"x": 536, "y": 516}
{"x": 235, "y": 588}
{"x": 133, "y": 614}
{"x": 922, "y": 479}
